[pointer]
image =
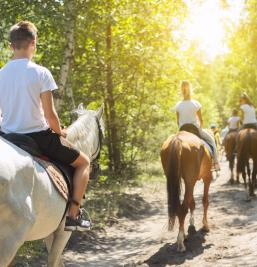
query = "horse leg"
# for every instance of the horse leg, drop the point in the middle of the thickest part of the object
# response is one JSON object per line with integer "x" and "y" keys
{"x": 244, "y": 178}
{"x": 254, "y": 177}
{"x": 56, "y": 243}
{"x": 181, "y": 235}
{"x": 11, "y": 264}
{"x": 237, "y": 178}
{"x": 192, "y": 208}
{"x": 49, "y": 241}
{"x": 248, "y": 169}
{"x": 249, "y": 174}
{"x": 10, "y": 245}
{"x": 232, "y": 170}
{"x": 191, "y": 228}
{"x": 188, "y": 201}
{"x": 231, "y": 167}
{"x": 245, "y": 184}
{"x": 207, "y": 182}
{"x": 191, "y": 204}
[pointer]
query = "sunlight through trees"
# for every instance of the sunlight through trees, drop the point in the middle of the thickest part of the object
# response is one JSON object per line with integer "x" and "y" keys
{"x": 132, "y": 55}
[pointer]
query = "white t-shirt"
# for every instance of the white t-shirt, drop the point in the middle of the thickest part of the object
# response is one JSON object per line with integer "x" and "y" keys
{"x": 187, "y": 110}
{"x": 233, "y": 122}
{"x": 249, "y": 114}
{"x": 21, "y": 83}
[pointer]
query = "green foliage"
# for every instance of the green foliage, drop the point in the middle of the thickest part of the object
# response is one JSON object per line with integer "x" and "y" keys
{"x": 145, "y": 64}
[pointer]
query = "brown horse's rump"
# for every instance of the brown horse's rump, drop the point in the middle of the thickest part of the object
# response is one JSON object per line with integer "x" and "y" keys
{"x": 246, "y": 150}
{"x": 185, "y": 157}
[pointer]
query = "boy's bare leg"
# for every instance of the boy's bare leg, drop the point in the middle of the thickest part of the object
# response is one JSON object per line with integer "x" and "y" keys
{"x": 80, "y": 180}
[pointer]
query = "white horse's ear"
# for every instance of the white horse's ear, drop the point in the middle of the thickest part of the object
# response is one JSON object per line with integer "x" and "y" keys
{"x": 100, "y": 112}
{"x": 80, "y": 110}
{"x": 81, "y": 107}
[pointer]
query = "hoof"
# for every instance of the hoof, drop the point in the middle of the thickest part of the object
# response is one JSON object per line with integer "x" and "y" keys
{"x": 191, "y": 230}
{"x": 249, "y": 198}
{"x": 181, "y": 248}
{"x": 231, "y": 181}
{"x": 206, "y": 229}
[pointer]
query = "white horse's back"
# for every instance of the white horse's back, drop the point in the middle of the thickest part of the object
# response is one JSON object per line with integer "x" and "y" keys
{"x": 27, "y": 199}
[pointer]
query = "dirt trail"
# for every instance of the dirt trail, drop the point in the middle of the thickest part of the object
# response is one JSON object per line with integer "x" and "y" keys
{"x": 143, "y": 240}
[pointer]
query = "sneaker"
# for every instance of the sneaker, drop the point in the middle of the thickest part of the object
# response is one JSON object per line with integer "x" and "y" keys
{"x": 81, "y": 223}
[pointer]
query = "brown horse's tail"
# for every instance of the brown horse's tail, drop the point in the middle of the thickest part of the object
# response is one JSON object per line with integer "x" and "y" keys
{"x": 174, "y": 180}
{"x": 242, "y": 153}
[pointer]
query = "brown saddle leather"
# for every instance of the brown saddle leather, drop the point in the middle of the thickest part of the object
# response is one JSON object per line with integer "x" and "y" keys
{"x": 60, "y": 174}
{"x": 56, "y": 177}
{"x": 191, "y": 128}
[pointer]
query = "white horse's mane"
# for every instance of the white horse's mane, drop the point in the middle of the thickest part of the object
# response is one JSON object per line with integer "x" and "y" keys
{"x": 84, "y": 132}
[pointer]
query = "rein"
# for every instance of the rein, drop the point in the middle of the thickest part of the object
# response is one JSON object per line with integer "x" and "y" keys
{"x": 96, "y": 155}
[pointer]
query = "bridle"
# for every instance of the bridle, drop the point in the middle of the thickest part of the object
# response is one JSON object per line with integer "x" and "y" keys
{"x": 95, "y": 166}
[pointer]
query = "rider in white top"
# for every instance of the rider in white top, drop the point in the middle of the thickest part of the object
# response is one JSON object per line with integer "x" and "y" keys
{"x": 27, "y": 107}
{"x": 248, "y": 112}
{"x": 189, "y": 112}
{"x": 234, "y": 121}
{"x": 25, "y": 81}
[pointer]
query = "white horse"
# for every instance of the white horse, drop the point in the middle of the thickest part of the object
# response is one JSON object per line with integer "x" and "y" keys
{"x": 30, "y": 206}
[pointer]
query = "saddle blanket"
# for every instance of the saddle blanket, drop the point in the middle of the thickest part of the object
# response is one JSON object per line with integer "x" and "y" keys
{"x": 210, "y": 149}
{"x": 55, "y": 176}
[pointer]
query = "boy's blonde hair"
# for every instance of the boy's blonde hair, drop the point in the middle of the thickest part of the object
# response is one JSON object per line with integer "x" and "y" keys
{"x": 246, "y": 98}
{"x": 186, "y": 89}
{"x": 22, "y": 34}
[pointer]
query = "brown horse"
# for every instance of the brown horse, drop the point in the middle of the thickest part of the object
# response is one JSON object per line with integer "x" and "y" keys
{"x": 246, "y": 150}
{"x": 185, "y": 156}
{"x": 230, "y": 149}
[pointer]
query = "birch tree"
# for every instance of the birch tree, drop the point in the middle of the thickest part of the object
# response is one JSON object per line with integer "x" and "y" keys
{"x": 65, "y": 88}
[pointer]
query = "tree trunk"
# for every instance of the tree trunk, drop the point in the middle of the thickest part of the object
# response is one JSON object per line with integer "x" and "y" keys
{"x": 113, "y": 147}
{"x": 65, "y": 89}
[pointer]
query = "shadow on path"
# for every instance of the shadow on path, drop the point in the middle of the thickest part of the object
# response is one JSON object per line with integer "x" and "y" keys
{"x": 168, "y": 255}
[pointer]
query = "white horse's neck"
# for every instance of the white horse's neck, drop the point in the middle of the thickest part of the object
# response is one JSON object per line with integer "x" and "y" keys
{"x": 84, "y": 133}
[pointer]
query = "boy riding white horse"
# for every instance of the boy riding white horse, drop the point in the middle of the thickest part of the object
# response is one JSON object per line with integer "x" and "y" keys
{"x": 27, "y": 108}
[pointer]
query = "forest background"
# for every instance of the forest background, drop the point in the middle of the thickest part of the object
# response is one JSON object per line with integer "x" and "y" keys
{"x": 132, "y": 56}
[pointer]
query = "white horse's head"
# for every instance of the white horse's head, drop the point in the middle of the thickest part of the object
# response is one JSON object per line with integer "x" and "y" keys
{"x": 87, "y": 131}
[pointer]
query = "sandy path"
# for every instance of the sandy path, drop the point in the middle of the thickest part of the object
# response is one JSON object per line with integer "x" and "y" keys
{"x": 143, "y": 240}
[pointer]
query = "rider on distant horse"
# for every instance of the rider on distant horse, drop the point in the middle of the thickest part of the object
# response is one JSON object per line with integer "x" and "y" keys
{"x": 189, "y": 112}
{"x": 27, "y": 107}
{"x": 216, "y": 135}
{"x": 234, "y": 121}
{"x": 248, "y": 112}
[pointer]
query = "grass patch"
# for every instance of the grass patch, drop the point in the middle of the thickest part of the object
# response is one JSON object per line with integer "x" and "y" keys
{"x": 29, "y": 252}
{"x": 107, "y": 200}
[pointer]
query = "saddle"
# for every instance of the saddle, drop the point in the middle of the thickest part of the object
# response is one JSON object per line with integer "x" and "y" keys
{"x": 232, "y": 131}
{"x": 61, "y": 175}
{"x": 191, "y": 128}
{"x": 249, "y": 126}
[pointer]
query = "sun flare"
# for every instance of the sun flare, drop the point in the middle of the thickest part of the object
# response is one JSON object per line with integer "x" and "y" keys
{"x": 207, "y": 24}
